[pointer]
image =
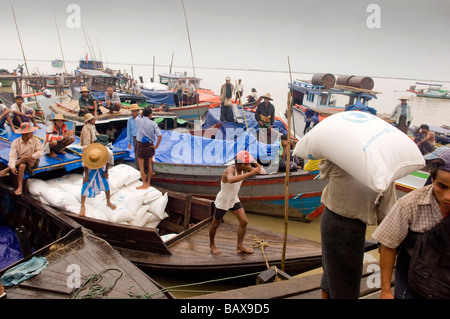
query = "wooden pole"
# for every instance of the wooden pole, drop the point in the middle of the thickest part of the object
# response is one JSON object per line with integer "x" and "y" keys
{"x": 60, "y": 45}
{"x": 288, "y": 164}
{"x": 24, "y": 58}
{"x": 171, "y": 64}
{"x": 192, "y": 56}
{"x": 153, "y": 69}
{"x": 243, "y": 110}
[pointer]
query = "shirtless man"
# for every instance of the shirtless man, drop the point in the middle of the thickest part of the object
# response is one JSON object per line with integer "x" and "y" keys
{"x": 227, "y": 199}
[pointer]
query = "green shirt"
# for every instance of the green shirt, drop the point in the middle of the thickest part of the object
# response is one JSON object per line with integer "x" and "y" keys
{"x": 86, "y": 102}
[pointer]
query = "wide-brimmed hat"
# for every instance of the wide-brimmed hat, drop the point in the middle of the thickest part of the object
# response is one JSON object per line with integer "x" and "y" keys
{"x": 267, "y": 96}
{"x": 25, "y": 128}
{"x": 404, "y": 97}
{"x": 95, "y": 156}
{"x": 57, "y": 117}
{"x": 84, "y": 89}
{"x": 88, "y": 117}
{"x": 134, "y": 107}
{"x": 244, "y": 157}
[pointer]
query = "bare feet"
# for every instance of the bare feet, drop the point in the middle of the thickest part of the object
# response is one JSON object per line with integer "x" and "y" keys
{"x": 18, "y": 191}
{"x": 63, "y": 152}
{"x": 52, "y": 154}
{"x": 143, "y": 186}
{"x": 243, "y": 250}
{"x": 111, "y": 205}
{"x": 3, "y": 173}
{"x": 215, "y": 250}
{"x": 83, "y": 211}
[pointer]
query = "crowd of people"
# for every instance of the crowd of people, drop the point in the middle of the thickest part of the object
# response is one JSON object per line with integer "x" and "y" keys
{"x": 402, "y": 225}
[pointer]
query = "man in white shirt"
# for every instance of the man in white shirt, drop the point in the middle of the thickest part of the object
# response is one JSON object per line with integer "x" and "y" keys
{"x": 21, "y": 113}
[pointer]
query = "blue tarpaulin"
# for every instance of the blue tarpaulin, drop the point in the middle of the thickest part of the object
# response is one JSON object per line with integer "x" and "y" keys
{"x": 9, "y": 247}
{"x": 158, "y": 97}
{"x": 184, "y": 148}
{"x": 213, "y": 117}
{"x": 69, "y": 161}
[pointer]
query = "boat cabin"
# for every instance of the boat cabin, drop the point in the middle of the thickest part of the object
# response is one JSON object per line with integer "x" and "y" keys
{"x": 171, "y": 79}
{"x": 95, "y": 80}
{"x": 90, "y": 65}
{"x": 318, "y": 97}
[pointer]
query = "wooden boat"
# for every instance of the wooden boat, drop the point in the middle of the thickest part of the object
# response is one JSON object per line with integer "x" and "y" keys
{"x": 57, "y": 63}
{"x": 187, "y": 251}
{"x": 261, "y": 194}
{"x": 67, "y": 245}
{"x": 6, "y": 78}
{"x": 429, "y": 90}
{"x": 322, "y": 97}
{"x": 304, "y": 287}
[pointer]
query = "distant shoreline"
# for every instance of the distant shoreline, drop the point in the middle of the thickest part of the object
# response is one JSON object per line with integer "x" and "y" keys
{"x": 232, "y": 69}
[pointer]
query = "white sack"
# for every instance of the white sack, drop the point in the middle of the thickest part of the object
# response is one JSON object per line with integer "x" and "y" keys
{"x": 158, "y": 206}
{"x": 371, "y": 150}
{"x": 36, "y": 186}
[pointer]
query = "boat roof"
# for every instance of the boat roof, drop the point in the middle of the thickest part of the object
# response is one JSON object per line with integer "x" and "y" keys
{"x": 178, "y": 76}
{"x": 431, "y": 84}
{"x": 94, "y": 73}
{"x": 337, "y": 89}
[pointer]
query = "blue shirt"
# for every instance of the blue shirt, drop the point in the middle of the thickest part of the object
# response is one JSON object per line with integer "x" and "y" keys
{"x": 131, "y": 129}
{"x": 147, "y": 128}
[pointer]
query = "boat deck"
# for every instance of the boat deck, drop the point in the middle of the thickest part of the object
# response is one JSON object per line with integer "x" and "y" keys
{"x": 306, "y": 287}
{"x": 191, "y": 255}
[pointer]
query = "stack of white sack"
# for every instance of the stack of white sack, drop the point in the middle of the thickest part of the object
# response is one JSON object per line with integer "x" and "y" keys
{"x": 144, "y": 208}
{"x": 365, "y": 146}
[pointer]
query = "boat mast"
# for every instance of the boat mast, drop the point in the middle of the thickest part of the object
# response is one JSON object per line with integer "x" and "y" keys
{"x": 192, "y": 58}
{"x": 60, "y": 45}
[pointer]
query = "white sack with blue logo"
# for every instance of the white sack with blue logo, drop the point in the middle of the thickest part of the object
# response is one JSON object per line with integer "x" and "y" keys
{"x": 371, "y": 150}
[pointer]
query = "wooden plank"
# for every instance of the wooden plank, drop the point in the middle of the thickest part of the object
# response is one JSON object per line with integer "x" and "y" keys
{"x": 307, "y": 287}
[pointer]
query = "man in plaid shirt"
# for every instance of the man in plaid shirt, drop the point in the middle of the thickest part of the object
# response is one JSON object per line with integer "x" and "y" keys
{"x": 418, "y": 211}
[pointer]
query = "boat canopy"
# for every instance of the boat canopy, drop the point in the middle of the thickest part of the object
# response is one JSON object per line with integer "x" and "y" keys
{"x": 430, "y": 84}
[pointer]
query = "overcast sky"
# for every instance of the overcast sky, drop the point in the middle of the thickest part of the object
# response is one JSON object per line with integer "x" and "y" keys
{"x": 318, "y": 36}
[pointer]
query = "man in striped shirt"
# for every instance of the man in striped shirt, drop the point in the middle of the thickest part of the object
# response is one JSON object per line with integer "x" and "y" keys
{"x": 418, "y": 211}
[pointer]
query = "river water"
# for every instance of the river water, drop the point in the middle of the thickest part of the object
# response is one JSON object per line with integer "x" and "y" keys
{"x": 430, "y": 111}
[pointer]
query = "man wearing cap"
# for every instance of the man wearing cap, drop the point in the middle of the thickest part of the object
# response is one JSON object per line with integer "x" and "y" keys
{"x": 132, "y": 131}
{"x": 87, "y": 103}
{"x": 21, "y": 113}
{"x": 402, "y": 114}
{"x": 147, "y": 135}
{"x": 226, "y": 93}
{"x": 227, "y": 199}
{"x": 24, "y": 154}
{"x": 427, "y": 144}
{"x": 57, "y": 136}
{"x": 418, "y": 211}
{"x": 96, "y": 162}
{"x": 112, "y": 100}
